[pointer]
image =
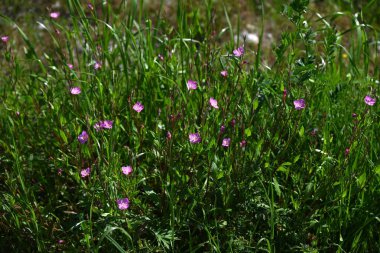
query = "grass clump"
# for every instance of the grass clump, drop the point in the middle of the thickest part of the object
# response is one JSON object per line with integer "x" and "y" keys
{"x": 125, "y": 133}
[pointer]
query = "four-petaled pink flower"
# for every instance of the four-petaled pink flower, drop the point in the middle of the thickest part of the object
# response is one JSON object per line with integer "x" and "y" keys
{"x": 195, "y": 138}
{"x": 55, "y": 15}
{"x": 138, "y": 107}
{"x": 106, "y": 124}
{"x": 97, "y": 65}
{"x": 4, "y": 39}
{"x": 83, "y": 137}
{"x": 123, "y": 204}
{"x": 75, "y": 90}
{"x": 238, "y": 52}
{"x": 299, "y": 104}
{"x": 85, "y": 172}
{"x": 369, "y": 100}
{"x": 224, "y": 73}
{"x": 127, "y": 169}
{"x": 226, "y": 142}
{"x": 191, "y": 85}
{"x": 214, "y": 103}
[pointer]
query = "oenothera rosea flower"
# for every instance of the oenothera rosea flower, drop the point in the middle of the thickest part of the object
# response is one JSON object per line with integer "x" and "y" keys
{"x": 299, "y": 104}
{"x": 214, "y": 103}
{"x": 106, "y": 124}
{"x": 238, "y": 52}
{"x": 123, "y": 204}
{"x": 97, "y": 65}
{"x": 127, "y": 170}
{"x": 224, "y": 73}
{"x": 138, "y": 107}
{"x": 195, "y": 138}
{"x": 4, "y": 39}
{"x": 85, "y": 172}
{"x": 83, "y": 137}
{"x": 75, "y": 90}
{"x": 191, "y": 85}
{"x": 369, "y": 100}
{"x": 226, "y": 142}
{"x": 55, "y": 15}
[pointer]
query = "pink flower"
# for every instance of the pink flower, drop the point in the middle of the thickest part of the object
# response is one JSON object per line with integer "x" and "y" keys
{"x": 107, "y": 124}
{"x": 75, "y": 90}
{"x": 226, "y": 142}
{"x": 83, "y": 137}
{"x": 168, "y": 135}
{"x": 138, "y": 107}
{"x": 243, "y": 143}
{"x": 71, "y": 66}
{"x": 369, "y": 100}
{"x": 347, "y": 152}
{"x": 191, "y": 85}
{"x": 195, "y": 138}
{"x": 299, "y": 104}
{"x": 123, "y": 204}
{"x": 239, "y": 51}
{"x": 224, "y": 73}
{"x": 85, "y": 172}
{"x": 214, "y": 103}
{"x": 127, "y": 169}
{"x": 222, "y": 129}
{"x": 60, "y": 172}
{"x": 55, "y": 15}
{"x": 97, "y": 65}
{"x": 89, "y": 5}
{"x": 4, "y": 39}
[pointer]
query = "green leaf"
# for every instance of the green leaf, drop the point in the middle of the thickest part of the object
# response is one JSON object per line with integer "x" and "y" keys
{"x": 377, "y": 170}
{"x": 362, "y": 179}
{"x": 247, "y": 132}
{"x": 301, "y": 131}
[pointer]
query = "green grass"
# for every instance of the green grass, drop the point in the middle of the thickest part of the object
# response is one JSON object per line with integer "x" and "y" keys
{"x": 306, "y": 180}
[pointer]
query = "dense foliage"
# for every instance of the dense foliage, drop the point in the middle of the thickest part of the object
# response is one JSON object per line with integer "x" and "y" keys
{"x": 126, "y": 133}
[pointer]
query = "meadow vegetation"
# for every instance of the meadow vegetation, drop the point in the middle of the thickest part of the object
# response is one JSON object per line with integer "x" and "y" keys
{"x": 137, "y": 129}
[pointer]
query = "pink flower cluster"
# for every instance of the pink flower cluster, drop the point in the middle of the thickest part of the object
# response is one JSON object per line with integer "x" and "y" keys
{"x": 106, "y": 124}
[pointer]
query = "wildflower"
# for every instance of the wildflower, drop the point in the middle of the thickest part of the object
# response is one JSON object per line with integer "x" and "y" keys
{"x": 138, "y": 107}
{"x": 60, "y": 172}
{"x": 127, "y": 169}
{"x": 195, "y": 138}
{"x": 224, "y": 73}
{"x": 90, "y": 6}
{"x": 160, "y": 57}
{"x": 4, "y": 39}
{"x": 233, "y": 122}
{"x": 299, "y": 104}
{"x": 168, "y": 135}
{"x": 226, "y": 142}
{"x": 369, "y": 100}
{"x": 214, "y": 103}
{"x": 71, "y": 66}
{"x": 85, "y": 172}
{"x": 239, "y": 51}
{"x": 55, "y": 15}
{"x": 222, "y": 129}
{"x": 347, "y": 152}
{"x": 97, "y": 65}
{"x": 191, "y": 85}
{"x": 83, "y": 137}
{"x": 243, "y": 143}
{"x": 107, "y": 124}
{"x": 75, "y": 90}
{"x": 123, "y": 204}
{"x": 354, "y": 115}
{"x": 61, "y": 241}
